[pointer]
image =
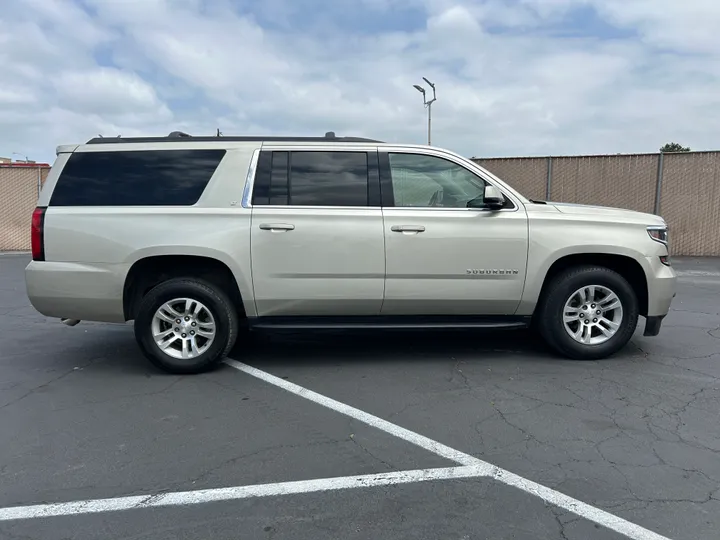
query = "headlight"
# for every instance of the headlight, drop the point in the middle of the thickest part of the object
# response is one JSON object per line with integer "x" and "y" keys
{"x": 659, "y": 234}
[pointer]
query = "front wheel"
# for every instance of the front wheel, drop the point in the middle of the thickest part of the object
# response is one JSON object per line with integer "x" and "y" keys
{"x": 588, "y": 313}
{"x": 185, "y": 325}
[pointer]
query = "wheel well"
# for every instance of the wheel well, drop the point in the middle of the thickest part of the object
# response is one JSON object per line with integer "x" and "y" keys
{"x": 151, "y": 271}
{"x": 627, "y": 267}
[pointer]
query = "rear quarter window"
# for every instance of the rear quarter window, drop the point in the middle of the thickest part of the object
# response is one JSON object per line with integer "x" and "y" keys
{"x": 136, "y": 178}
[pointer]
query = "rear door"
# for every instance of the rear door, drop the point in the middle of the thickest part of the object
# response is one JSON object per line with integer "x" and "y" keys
{"x": 442, "y": 257}
{"x": 317, "y": 232}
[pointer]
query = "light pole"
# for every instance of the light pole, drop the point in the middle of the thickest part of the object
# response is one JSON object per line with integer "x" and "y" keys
{"x": 428, "y": 104}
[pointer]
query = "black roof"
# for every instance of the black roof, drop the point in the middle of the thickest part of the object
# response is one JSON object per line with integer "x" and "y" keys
{"x": 178, "y": 136}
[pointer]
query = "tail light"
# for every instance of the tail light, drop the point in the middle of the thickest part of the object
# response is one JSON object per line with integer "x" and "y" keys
{"x": 37, "y": 234}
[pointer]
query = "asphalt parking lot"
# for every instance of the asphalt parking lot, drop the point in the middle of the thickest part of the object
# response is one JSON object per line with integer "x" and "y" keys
{"x": 637, "y": 437}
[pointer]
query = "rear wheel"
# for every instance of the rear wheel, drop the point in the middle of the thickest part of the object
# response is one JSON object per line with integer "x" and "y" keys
{"x": 588, "y": 313}
{"x": 186, "y": 325}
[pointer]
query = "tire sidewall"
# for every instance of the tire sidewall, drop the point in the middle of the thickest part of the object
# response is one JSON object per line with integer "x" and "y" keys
{"x": 214, "y": 300}
{"x": 554, "y": 327}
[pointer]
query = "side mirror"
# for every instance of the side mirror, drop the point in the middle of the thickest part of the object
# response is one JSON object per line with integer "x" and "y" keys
{"x": 493, "y": 199}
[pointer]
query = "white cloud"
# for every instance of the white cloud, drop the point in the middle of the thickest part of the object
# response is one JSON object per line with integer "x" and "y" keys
{"x": 53, "y": 91}
{"x": 107, "y": 91}
{"x": 526, "y": 90}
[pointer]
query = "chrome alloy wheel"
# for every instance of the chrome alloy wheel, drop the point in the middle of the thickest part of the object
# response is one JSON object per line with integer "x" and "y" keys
{"x": 183, "y": 328}
{"x": 592, "y": 315}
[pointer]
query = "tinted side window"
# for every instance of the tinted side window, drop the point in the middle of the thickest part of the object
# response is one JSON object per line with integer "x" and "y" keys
{"x": 137, "y": 178}
{"x": 307, "y": 178}
{"x": 428, "y": 181}
{"x": 328, "y": 179}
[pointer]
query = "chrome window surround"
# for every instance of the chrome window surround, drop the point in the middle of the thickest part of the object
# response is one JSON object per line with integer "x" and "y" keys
{"x": 252, "y": 170}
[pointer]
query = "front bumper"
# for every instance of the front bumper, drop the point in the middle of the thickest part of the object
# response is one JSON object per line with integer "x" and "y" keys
{"x": 661, "y": 282}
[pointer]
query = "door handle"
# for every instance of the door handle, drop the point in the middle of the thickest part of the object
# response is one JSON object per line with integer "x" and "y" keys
{"x": 277, "y": 227}
{"x": 408, "y": 228}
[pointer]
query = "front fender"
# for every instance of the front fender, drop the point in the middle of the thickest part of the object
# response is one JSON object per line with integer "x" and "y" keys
{"x": 539, "y": 265}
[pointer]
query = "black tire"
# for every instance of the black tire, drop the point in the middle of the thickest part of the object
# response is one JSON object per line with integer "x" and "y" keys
{"x": 223, "y": 312}
{"x": 550, "y": 312}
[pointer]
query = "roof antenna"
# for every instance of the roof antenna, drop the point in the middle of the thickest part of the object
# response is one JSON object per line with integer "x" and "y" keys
{"x": 219, "y": 133}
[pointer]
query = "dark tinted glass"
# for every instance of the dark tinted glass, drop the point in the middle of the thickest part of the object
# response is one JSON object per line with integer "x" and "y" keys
{"x": 328, "y": 179}
{"x": 279, "y": 178}
{"x": 139, "y": 178}
{"x": 261, "y": 186}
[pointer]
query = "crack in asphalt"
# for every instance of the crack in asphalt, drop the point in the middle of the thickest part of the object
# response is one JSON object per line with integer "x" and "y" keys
{"x": 558, "y": 514}
{"x": 12, "y": 536}
{"x": 51, "y": 382}
{"x": 456, "y": 369}
{"x": 208, "y": 472}
{"x": 176, "y": 380}
{"x": 368, "y": 452}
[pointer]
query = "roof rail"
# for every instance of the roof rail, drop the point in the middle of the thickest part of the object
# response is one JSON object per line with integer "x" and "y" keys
{"x": 180, "y": 136}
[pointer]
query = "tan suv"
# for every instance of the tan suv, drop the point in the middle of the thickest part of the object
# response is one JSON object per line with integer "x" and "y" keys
{"x": 190, "y": 236}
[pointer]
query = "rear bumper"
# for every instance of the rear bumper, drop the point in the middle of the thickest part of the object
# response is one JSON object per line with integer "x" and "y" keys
{"x": 88, "y": 292}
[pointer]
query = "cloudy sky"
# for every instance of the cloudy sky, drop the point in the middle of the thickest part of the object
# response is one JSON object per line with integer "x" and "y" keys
{"x": 514, "y": 77}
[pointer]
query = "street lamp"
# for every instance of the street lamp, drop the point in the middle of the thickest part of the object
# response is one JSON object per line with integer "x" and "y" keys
{"x": 427, "y": 103}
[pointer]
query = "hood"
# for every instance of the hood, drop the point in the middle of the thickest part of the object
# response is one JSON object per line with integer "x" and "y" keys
{"x": 610, "y": 213}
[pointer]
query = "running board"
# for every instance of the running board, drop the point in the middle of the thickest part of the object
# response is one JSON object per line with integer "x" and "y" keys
{"x": 386, "y": 323}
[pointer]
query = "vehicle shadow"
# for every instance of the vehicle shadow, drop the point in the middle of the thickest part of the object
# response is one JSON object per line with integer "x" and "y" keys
{"x": 323, "y": 347}
{"x": 112, "y": 348}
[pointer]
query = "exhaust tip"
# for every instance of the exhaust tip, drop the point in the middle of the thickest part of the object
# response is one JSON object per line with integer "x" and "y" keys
{"x": 70, "y": 322}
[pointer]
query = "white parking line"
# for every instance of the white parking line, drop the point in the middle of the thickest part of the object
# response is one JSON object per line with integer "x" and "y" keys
{"x": 471, "y": 468}
{"x": 700, "y": 273}
{"x": 698, "y": 277}
{"x": 388, "y": 427}
{"x": 579, "y": 508}
{"x": 699, "y": 280}
{"x": 183, "y": 498}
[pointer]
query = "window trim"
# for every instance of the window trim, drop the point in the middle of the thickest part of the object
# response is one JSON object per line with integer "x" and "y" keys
{"x": 250, "y": 180}
{"x": 374, "y": 190}
{"x": 387, "y": 194}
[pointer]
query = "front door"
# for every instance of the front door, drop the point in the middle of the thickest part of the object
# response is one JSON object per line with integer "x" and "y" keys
{"x": 443, "y": 258}
{"x": 317, "y": 245}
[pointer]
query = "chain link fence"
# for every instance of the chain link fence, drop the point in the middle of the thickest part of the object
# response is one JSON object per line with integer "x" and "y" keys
{"x": 19, "y": 190}
{"x": 690, "y": 202}
{"x": 683, "y": 188}
{"x": 527, "y": 175}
